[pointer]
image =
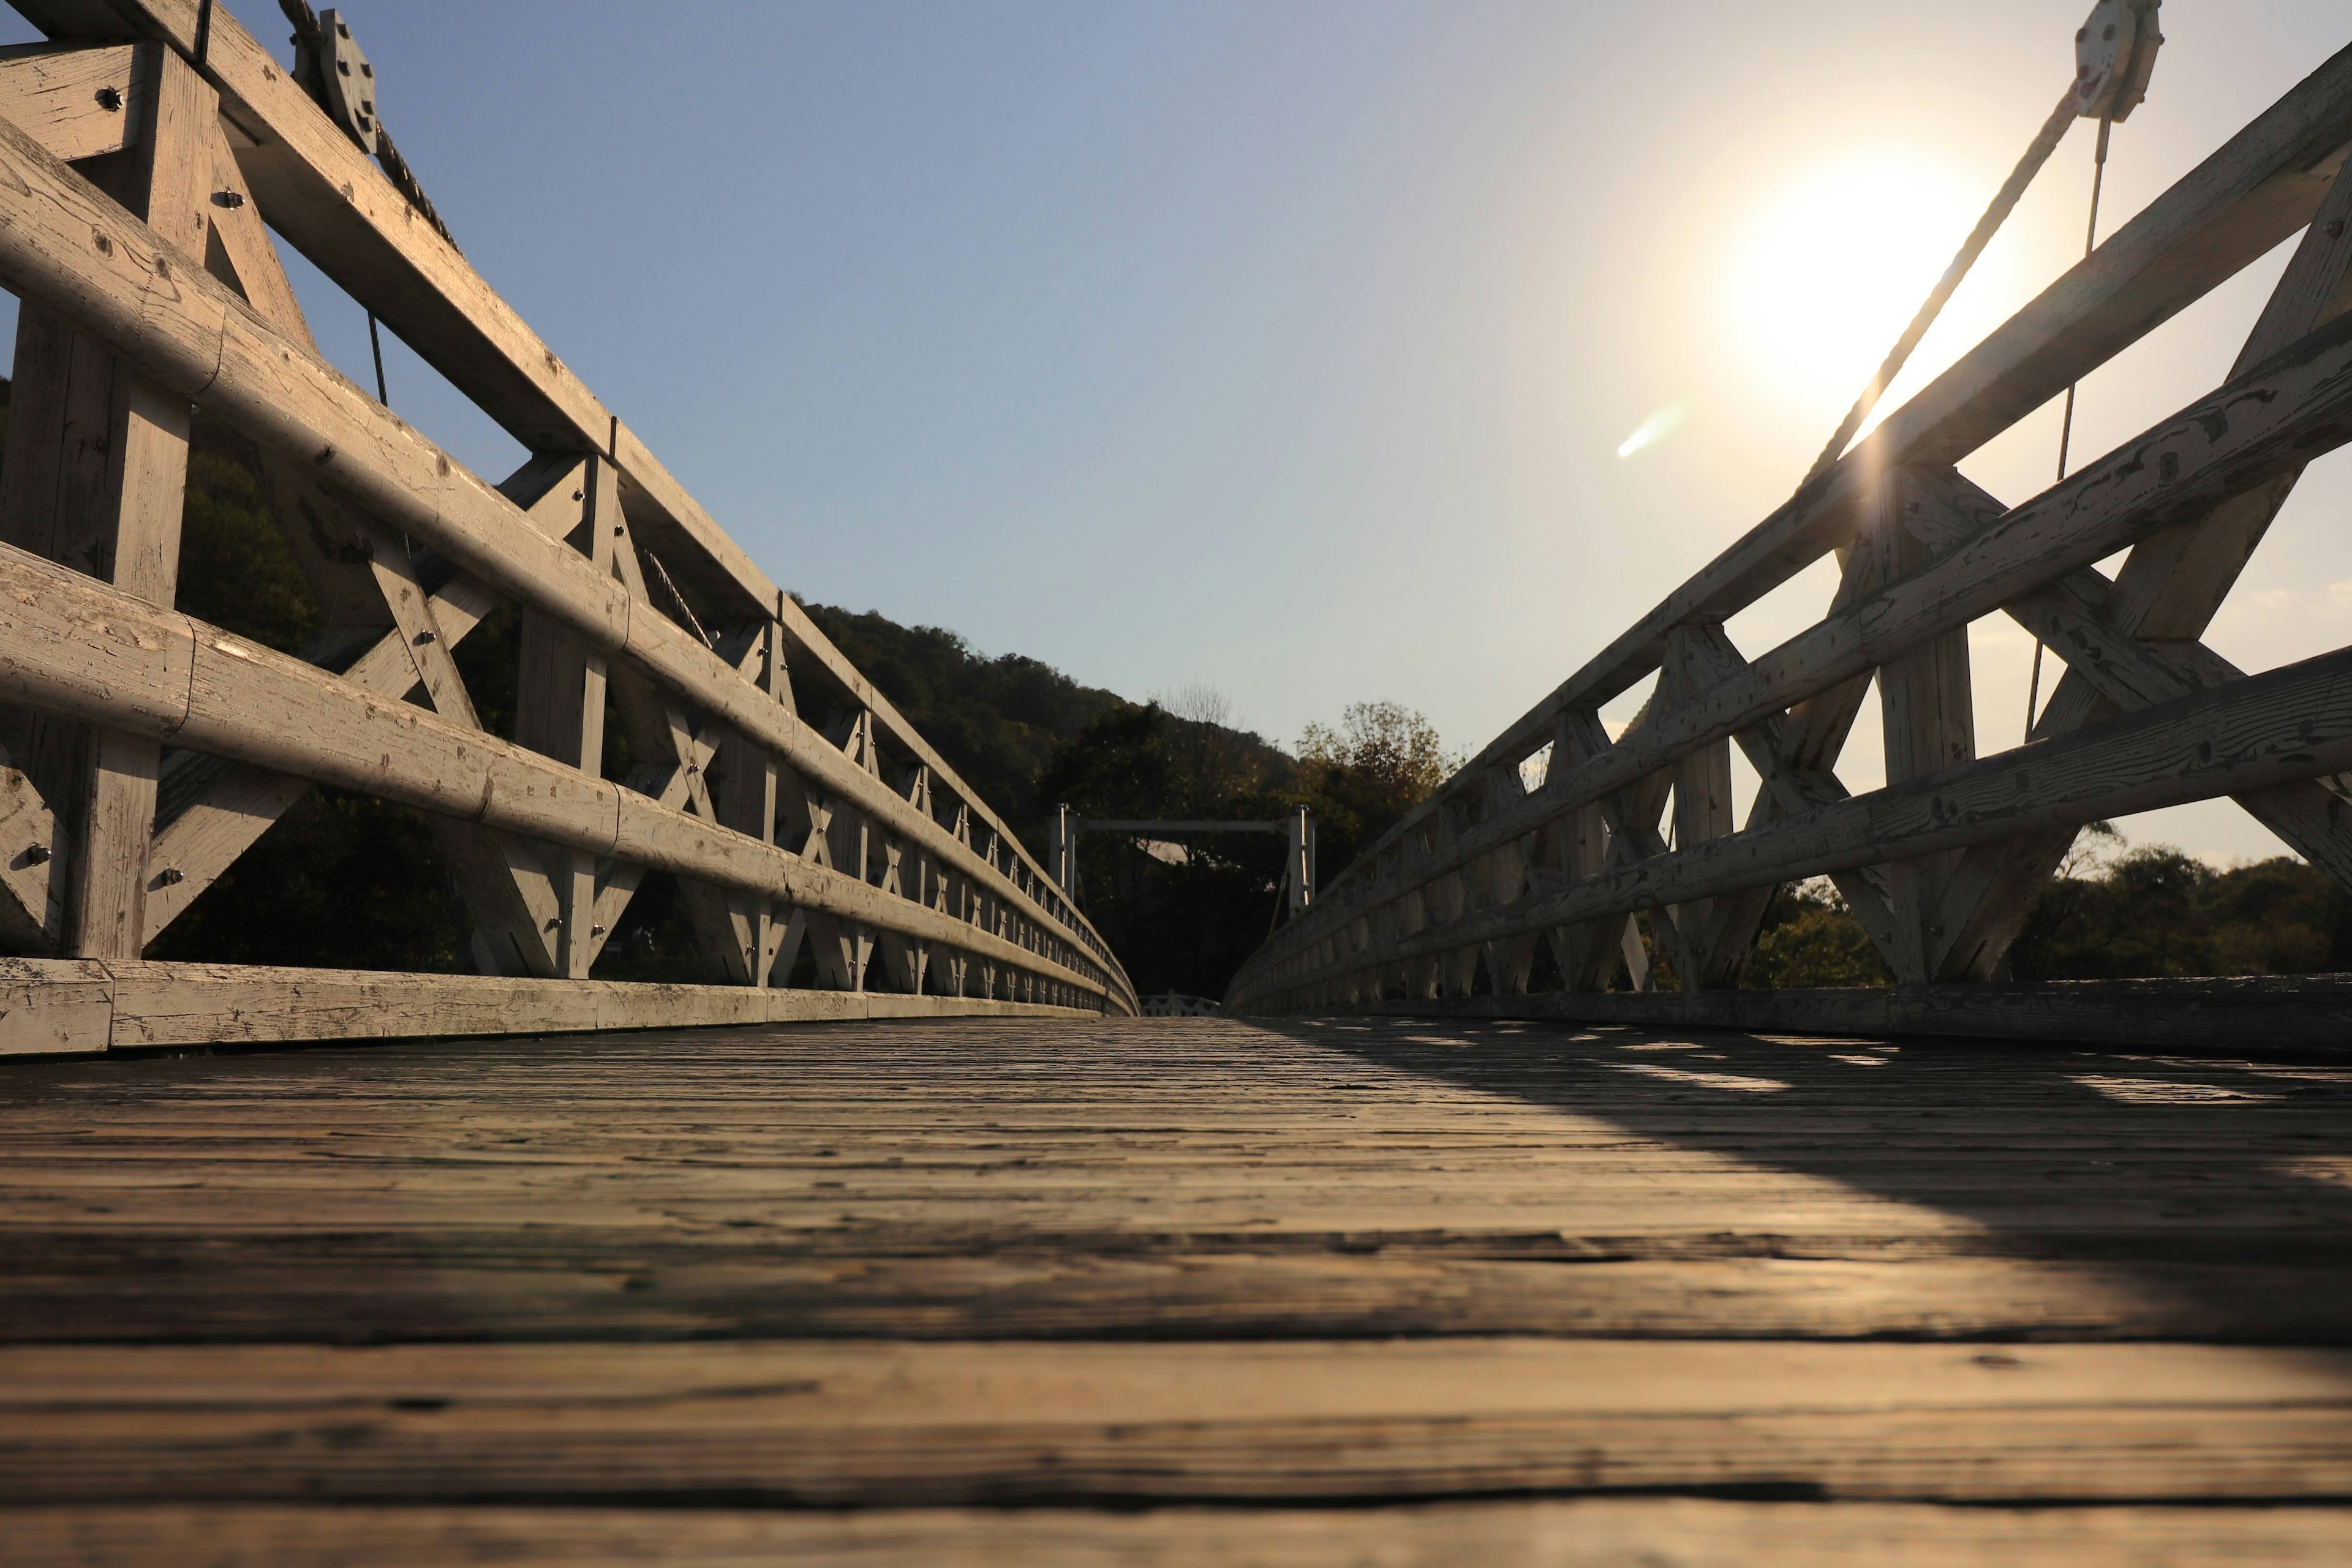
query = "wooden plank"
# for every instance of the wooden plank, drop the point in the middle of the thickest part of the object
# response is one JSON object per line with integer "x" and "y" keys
{"x": 61, "y": 1007}
{"x": 170, "y": 1005}
{"x": 62, "y": 95}
{"x": 2301, "y": 1012}
{"x": 51, "y": 1007}
{"x": 846, "y": 1423}
{"x": 556, "y": 1280}
{"x": 1587, "y": 1533}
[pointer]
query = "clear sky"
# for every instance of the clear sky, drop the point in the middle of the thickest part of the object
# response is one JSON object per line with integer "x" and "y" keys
{"x": 1289, "y": 347}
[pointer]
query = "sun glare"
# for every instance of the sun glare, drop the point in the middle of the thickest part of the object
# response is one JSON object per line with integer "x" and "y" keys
{"x": 1830, "y": 268}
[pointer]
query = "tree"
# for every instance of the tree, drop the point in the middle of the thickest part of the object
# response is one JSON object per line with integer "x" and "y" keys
{"x": 1362, "y": 778}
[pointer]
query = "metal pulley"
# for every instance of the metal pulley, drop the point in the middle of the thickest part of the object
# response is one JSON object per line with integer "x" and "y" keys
{"x": 2114, "y": 54}
{"x": 342, "y": 80}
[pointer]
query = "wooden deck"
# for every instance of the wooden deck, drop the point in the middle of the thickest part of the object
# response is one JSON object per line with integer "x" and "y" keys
{"x": 1176, "y": 1291}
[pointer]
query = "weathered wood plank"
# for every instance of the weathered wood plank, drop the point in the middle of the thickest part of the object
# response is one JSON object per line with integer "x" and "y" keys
{"x": 842, "y": 1423}
{"x": 2301, "y": 1012}
{"x": 1588, "y": 1533}
{"x": 59, "y": 94}
{"x": 463, "y": 1284}
{"x": 65, "y": 1007}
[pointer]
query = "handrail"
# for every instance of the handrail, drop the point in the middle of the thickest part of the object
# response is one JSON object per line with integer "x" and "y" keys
{"x": 1489, "y": 860}
{"x": 198, "y": 338}
{"x": 2253, "y": 192}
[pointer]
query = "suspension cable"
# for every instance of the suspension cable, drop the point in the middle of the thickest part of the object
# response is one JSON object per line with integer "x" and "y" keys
{"x": 2066, "y": 423}
{"x": 2045, "y": 141}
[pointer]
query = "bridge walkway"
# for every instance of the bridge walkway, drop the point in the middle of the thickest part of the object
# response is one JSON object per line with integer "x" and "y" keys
{"x": 1174, "y": 1292}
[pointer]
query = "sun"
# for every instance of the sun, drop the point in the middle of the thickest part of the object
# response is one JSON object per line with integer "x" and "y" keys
{"x": 1829, "y": 268}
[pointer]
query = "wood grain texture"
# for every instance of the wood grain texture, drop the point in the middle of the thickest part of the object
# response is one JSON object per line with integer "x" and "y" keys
{"x": 850, "y": 1423}
{"x": 55, "y": 94}
{"x": 2305, "y": 1013}
{"x": 1591, "y": 1532}
{"x": 1171, "y": 1262}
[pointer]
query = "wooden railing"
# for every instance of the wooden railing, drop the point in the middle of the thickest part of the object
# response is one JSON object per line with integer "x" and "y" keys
{"x": 1552, "y": 834}
{"x": 148, "y": 751}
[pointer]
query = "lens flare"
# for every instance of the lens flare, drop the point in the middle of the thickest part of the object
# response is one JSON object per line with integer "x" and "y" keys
{"x": 1654, "y": 429}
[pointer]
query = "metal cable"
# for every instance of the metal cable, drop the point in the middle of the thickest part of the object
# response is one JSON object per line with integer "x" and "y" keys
{"x": 680, "y": 600}
{"x": 2066, "y": 423}
{"x": 2045, "y": 141}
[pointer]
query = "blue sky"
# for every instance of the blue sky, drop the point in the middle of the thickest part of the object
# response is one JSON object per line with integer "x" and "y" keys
{"x": 1287, "y": 347}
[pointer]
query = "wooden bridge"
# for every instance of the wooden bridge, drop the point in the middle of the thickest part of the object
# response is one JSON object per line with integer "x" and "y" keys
{"x": 905, "y": 1238}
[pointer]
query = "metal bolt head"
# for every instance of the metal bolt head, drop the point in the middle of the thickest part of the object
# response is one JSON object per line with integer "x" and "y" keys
{"x": 229, "y": 199}
{"x": 38, "y": 855}
{"x": 110, "y": 99}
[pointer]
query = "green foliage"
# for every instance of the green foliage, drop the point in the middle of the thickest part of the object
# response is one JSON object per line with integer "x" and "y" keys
{"x": 1810, "y": 938}
{"x": 2150, "y": 911}
{"x": 1360, "y": 779}
{"x": 995, "y": 721}
{"x": 2157, "y": 911}
{"x": 235, "y": 570}
{"x": 1182, "y": 916}
{"x": 341, "y": 881}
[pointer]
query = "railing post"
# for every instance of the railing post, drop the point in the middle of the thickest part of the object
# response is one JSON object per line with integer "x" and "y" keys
{"x": 1061, "y": 853}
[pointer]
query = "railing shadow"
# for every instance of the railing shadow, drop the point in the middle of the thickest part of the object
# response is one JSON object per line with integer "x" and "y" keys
{"x": 2211, "y": 1190}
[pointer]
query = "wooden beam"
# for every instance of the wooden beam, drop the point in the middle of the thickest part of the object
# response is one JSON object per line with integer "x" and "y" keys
{"x": 2168, "y": 589}
{"x": 78, "y": 1007}
{"x": 2290, "y": 723}
{"x": 2278, "y": 418}
{"x": 199, "y": 337}
{"x": 77, "y": 646}
{"x": 1927, "y": 711}
{"x": 333, "y": 204}
{"x": 97, "y": 478}
{"x": 1702, "y": 809}
{"x": 2256, "y": 189}
{"x": 80, "y": 102}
